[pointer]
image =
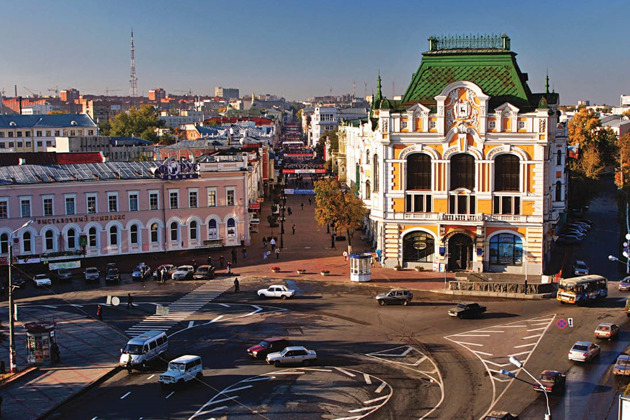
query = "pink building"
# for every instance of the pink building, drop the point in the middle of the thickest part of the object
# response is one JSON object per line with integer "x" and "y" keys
{"x": 126, "y": 207}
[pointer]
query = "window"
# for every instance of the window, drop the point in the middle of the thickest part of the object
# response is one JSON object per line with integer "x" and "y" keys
{"x": 461, "y": 204}
{"x": 212, "y": 229}
{"x": 521, "y": 125}
{"x": 418, "y": 247}
{"x": 112, "y": 202}
{"x": 154, "y": 233}
{"x": 506, "y": 204}
{"x": 174, "y": 232}
{"x": 4, "y": 243}
{"x": 192, "y": 199}
{"x": 558, "y": 191}
{"x": 375, "y": 173}
{"x": 418, "y": 203}
{"x": 133, "y": 201}
{"x": 193, "y": 231}
{"x": 229, "y": 198}
{"x": 492, "y": 125}
{"x": 462, "y": 172}
{"x": 4, "y": 209}
{"x": 507, "y": 173}
{"x": 559, "y": 158}
{"x": 49, "y": 241}
{"x": 48, "y": 206}
{"x": 419, "y": 172}
{"x": 38, "y": 133}
{"x": 27, "y": 242}
{"x": 25, "y": 207}
{"x": 432, "y": 125}
{"x": 231, "y": 228}
{"x": 71, "y": 239}
{"x": 154, "y": 200}
{"x": 173, "y": 199}
{"x": 70, "y": 207}
{"x": 212, "y": 197}
{"x": 92, "y": 237}
{"x": 367, "y": 189}
{"x": 113, "y": 235}
{"x": 506, "y": 249}
{"x": 133, "y": 234}
{"x": 91, "y": 203}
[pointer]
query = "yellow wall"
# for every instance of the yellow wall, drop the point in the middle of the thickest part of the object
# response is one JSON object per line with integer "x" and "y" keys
{"x": 432, "y": 228}
{"x": 527, "y": 208}
{"x": 419, "y": 124}
{"x": 440, "y": 205}
{"x": 399, "y": 205}
{"x": 484, "y": 206}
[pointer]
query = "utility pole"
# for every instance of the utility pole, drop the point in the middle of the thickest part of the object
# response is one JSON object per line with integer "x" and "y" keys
{"x": 133, "y": 80}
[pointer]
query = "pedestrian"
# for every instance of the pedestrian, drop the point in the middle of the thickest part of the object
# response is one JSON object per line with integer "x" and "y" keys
{"x": 264, "y": 242}
{"x": 372, "y": 260}
{"x": 164, "y": 274}
{"x": 378, "y": 255}
{"x": 234, "y": 256}
{"x": 265, "y": 255}
{"x": 302, "y": 206}
{"x": 236, "y": 285}
{"x": 309, "y": 201}
{"x": 289, "y": 211}
{"x": 229, "y": 267}
{"x": 209, "y": 259}
{"x": 129, "y": 301}
{"x": 244, "y": 251}
{"x": 293, "y": 228}
{"x": 194, "y": 264}
{"x": 54, "y": 350}
{"x": 273, "y": 244}
{"x": 129, "y": 364}
{"x": 221, "y": 261}
{"x": 99, "y": 312}
{"x": 159, "y": 275}
{"x": 345, "y": 255}
{"x": 277, "y": 253}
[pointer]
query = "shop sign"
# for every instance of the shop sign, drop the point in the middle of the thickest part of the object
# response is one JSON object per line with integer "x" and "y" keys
{"x": 254, "y": 206}
{"x": 178, "y": 170}
{"x": 419, "y": 245}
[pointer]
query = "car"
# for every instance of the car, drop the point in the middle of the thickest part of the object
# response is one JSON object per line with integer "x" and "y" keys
{"x": 170, "y": 269}
{"x": 467, "y": 310}
{"x": 184, "y": 272}
{"x": 277, "y": 291}
{"x": 567, "y": 239}
{"x": 181, "y": 370}
{"x": 624, "y": 284}
{"x": 92, "y": 273}
{"x": 581, "y": 226}
{"x": 141, "y": 272}
{"x": 500, "y": 415}
{"x": 552, "y": 381}
{"x": 400, "y": 296}
{"x": 42, "y": 280}
{"x": 204, "y": 272}
{"x": 112, "y": 275}
{"x": 110, "y": 265}
{"x": 574, "y": 232}
{"x": 18, "y": 281}
{"x": 292, "y": 355}
{"x": 607, "y": 330}
{"x": 268, "y": 345}
{"x": 580, "y": 268}
{"x": 584, "y": 351}
{"x": 62, "y": 274}
{"x": 622, "y": 365}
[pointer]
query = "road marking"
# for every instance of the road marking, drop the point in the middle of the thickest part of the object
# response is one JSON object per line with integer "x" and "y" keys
{"x": 216, "y": 319}
{"x": 380, "y": 387}
{"x": 406, "y": 352}
{"x": 358, "y": 410}
{"x": 169, "y": 395}
{"x": 125, "y": 396}
{"x": 345, "y": 372}
{"x": 470, "y": 344}
{"x": 225, "y": 305}
{"x": 238, "y": 389}
{"x": 259, "y": 378}
{"x": 318, "y": 370}
{"x": 537, "y": 329}
{"x": 525, "y": 345}
{"x": 422, "y": 359}
{"x": 224, "y": 399}
{"x": 217, "y": 409}
{"x": 76, "y": 306}
{"x": 518, "y": 354}
{"x": 150, "y": 377}
{"x": 481, "y": 352}
{"x": 530, "y": 336}
{"x": 367, "y": 379}
{"x": 191, "y": 324}
{"x": 375, "y": 399}
{"x": 489, "y": 331}
{"x": 49, "y": 306}
{"x": 258, "y": 309}
{"x": 473, "y": 335}
{"x": 291, "y": 372}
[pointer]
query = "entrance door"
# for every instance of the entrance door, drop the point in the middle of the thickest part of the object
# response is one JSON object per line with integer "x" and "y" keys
{"x": 460, "y": 249}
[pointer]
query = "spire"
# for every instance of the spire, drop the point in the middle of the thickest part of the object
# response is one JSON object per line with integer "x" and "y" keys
{"x": 379, "y": 93}
{"x": 547, "y": 82}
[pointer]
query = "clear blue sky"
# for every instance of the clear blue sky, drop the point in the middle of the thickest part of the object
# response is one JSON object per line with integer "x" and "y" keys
{"x": 299, "y": 49}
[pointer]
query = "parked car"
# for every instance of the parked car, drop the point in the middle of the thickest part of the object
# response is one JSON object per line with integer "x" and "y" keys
{"x": 170, "y": 269}
{"x": 204, "y": 272}
{"x": 268, "y": 345}
{"x": 624, "y": 284}
{"x": 399, "y": 296}
{"x": 574, "y": 232}
{"x": 580, "y": 225}
{"x": 92, "y": 273}
{"x": 566, "y": 239}
{"x": 112, "y": 275}
{"x": 292, "y": 355}
{"x": 182, "y": 370}
{"x": 62, "y": 274}
{"x": 110, "y": 265}
{"x": 18, "y": 281}
{"x": 42, "y": 280}
{"x": 277, "y": 291}
{"x": 552, "y": 381}
{"x": 500, "y": 415}
{"x": 622, "y": 365}
{"x": 607, "y": 330}
{"x": 580, "y": 268}
{"x": 141, "y": 272}
{"x": 584, "y": 351}
{"x": 467, "y": 310}
{"x": 184, "y": 272}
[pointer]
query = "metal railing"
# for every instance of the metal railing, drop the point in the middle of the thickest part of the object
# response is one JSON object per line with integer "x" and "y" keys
{"x": 503, "y": 287}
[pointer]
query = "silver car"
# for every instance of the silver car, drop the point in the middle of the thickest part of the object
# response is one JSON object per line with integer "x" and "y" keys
{"x": 584, "y": 351}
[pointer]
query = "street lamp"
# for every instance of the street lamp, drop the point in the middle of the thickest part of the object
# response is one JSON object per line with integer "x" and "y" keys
{"x": 520, "y": 365}
{"x": 12, "y": 358}
{"x": 626, "y": 263}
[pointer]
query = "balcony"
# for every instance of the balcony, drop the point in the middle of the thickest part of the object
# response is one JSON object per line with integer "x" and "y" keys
{"x": 476, "y": 218}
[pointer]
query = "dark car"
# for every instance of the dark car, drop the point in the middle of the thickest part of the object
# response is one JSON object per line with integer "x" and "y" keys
{"x": 18, "y": 281}
{"x": 396, "y": 296}
{"x": 624, "y": 285}
{"x": 552, "y": 380}
{"x": 141, "y": 272}
{"x": 204, "y": 272}
{"x": 112, "y": 275}
{"x": 62, "y": 274}
{"x": 467, "y": 310}
{"x": 268, "y": 345}
{"x": 500, "y": 415}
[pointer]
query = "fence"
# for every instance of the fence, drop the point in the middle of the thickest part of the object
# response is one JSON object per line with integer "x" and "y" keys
{"x": 503, "y": 287}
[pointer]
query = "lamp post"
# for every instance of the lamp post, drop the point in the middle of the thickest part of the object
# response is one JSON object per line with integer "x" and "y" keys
{"x": 520, "y": 365}
{"x": 12, "y": 359}
{"x": 626, "y": 263}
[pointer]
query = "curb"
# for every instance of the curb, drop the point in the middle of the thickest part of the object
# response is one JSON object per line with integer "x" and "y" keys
{"x": 17, "y": 376}
{"x": 496, "y": 294}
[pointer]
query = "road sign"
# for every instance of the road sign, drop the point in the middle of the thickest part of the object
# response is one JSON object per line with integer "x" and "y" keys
{"x": 562, "y": 323}
{"x": 570, "y": 322}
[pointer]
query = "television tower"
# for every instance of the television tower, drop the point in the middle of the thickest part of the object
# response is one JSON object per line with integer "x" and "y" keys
{"x": 133, "y": 80}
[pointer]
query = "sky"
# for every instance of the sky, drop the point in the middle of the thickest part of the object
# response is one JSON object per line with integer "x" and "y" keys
{"x": 298, "y": 49}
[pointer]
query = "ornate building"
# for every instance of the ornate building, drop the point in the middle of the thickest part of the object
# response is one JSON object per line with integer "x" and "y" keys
{"x": 467, "y": 169}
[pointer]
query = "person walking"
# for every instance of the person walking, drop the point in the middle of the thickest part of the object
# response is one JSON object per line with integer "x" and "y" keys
{"x": 302, "y": 206}
{"x": 264, "y": 242}
{"x": 159, "y": 275}
{"x": 293, "y": 228}
{"x": 309, "y": 201}
{"x": 244, "y": 251}
{"x": 129, "y": 301}
{"x": 221, "y": 261}
{"x": 229, "y": 267}
{"x": 209, "y": 259}
{"x": 234, "y": 256}
{"x": 289, "y": 211}
{"x": 273, "y": 244}
{"x": 345, "y": 255}
{"x": 277, "y": 253}
{"x": 99, "y": 312}
{"x": 236, "y": 285}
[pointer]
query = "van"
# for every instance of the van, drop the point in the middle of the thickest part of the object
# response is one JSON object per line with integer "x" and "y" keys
{"x": 181, "y": 370}
{"x": 144, "y": 348}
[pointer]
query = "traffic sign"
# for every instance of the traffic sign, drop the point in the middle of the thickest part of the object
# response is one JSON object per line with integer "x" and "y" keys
{"x": 562, "y": 323}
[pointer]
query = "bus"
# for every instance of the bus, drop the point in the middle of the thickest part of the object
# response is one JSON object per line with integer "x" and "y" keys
{"x": 582, "y": 290}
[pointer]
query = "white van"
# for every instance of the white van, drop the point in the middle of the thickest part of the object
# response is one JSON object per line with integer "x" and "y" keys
{"x": 181, "y": 370}
{"x": 144, "y": 348}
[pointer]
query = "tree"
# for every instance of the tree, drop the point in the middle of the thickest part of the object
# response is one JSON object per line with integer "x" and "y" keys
{"x": 597, "y": 145}
{"x": 338, "y": 208}
{"x": 622, "y": 175}
{"x": 137, "y": 122}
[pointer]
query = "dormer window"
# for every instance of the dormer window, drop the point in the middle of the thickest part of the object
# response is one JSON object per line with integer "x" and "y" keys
{"x": 73, "y": 123}
{"x": 492, "y": 125}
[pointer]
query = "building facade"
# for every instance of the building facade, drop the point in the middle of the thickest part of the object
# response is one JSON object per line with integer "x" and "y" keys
{"x": 467, "y": 170}
{"x": 227, "y": 93}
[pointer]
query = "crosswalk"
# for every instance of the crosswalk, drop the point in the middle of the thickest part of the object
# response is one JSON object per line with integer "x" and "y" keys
{"x": 182, "y": 308}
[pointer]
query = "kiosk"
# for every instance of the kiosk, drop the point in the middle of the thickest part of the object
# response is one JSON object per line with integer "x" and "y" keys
{"x": 41, "y": 343}
{"x": 361, "y": 266}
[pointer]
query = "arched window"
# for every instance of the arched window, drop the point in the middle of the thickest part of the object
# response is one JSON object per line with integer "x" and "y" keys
{"x": 376, "y": 175}
{"x": 133, "y": 234}
{"x": 92, "y": 237}
{"x": 419, "y": 172}
{"x": 462, "y": 172}
{"x": 506, "y": 249}
{"x": 193, "y": 230}
{"x": 49, "y": 241}
{"x": 418, "y": 247}
{"x": 507, "y": 173}
{"x": 174, "y": 231}
{"x": 367, "y": 189}
{"x": 558, "y": 190}
{"x": 71, "y": 239}
{"x": 367, "y": 157}
{"x": 231, "y": 228}
{"x": 559, "y": 158}
{"x": 154, "y": 233}
{"x": 213, "y": 233}
{"x": 4, "y": 243}
{"x": 113, "y": 235}
{"x": 27, "y": 242}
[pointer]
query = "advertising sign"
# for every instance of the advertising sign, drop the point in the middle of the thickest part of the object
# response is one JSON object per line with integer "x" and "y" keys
{"x": 64, "y": 264}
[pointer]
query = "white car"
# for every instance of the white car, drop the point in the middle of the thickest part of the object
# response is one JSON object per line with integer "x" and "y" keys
{"x": 584, "y": 351}
{"x": 184, "y": 272}
{"x": 92, "y": 273}
{"x": 181, "y": 370}
{"x": 42, "y": 280}
{"x": 292, "y": 355}
{"x": 277, "y": 291}
{"x": 580, "y": 268}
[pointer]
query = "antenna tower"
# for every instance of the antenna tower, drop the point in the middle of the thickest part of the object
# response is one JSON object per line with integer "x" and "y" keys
{"x": 133, "y": 80}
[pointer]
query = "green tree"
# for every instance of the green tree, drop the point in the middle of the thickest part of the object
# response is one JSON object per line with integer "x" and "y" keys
{"x": 338, "y": 208}
{"x": 140, "y": 122}
{"x": 597, "y": 144}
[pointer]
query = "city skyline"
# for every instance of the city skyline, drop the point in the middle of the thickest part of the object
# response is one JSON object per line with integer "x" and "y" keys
{"x": 300, "y": 50}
